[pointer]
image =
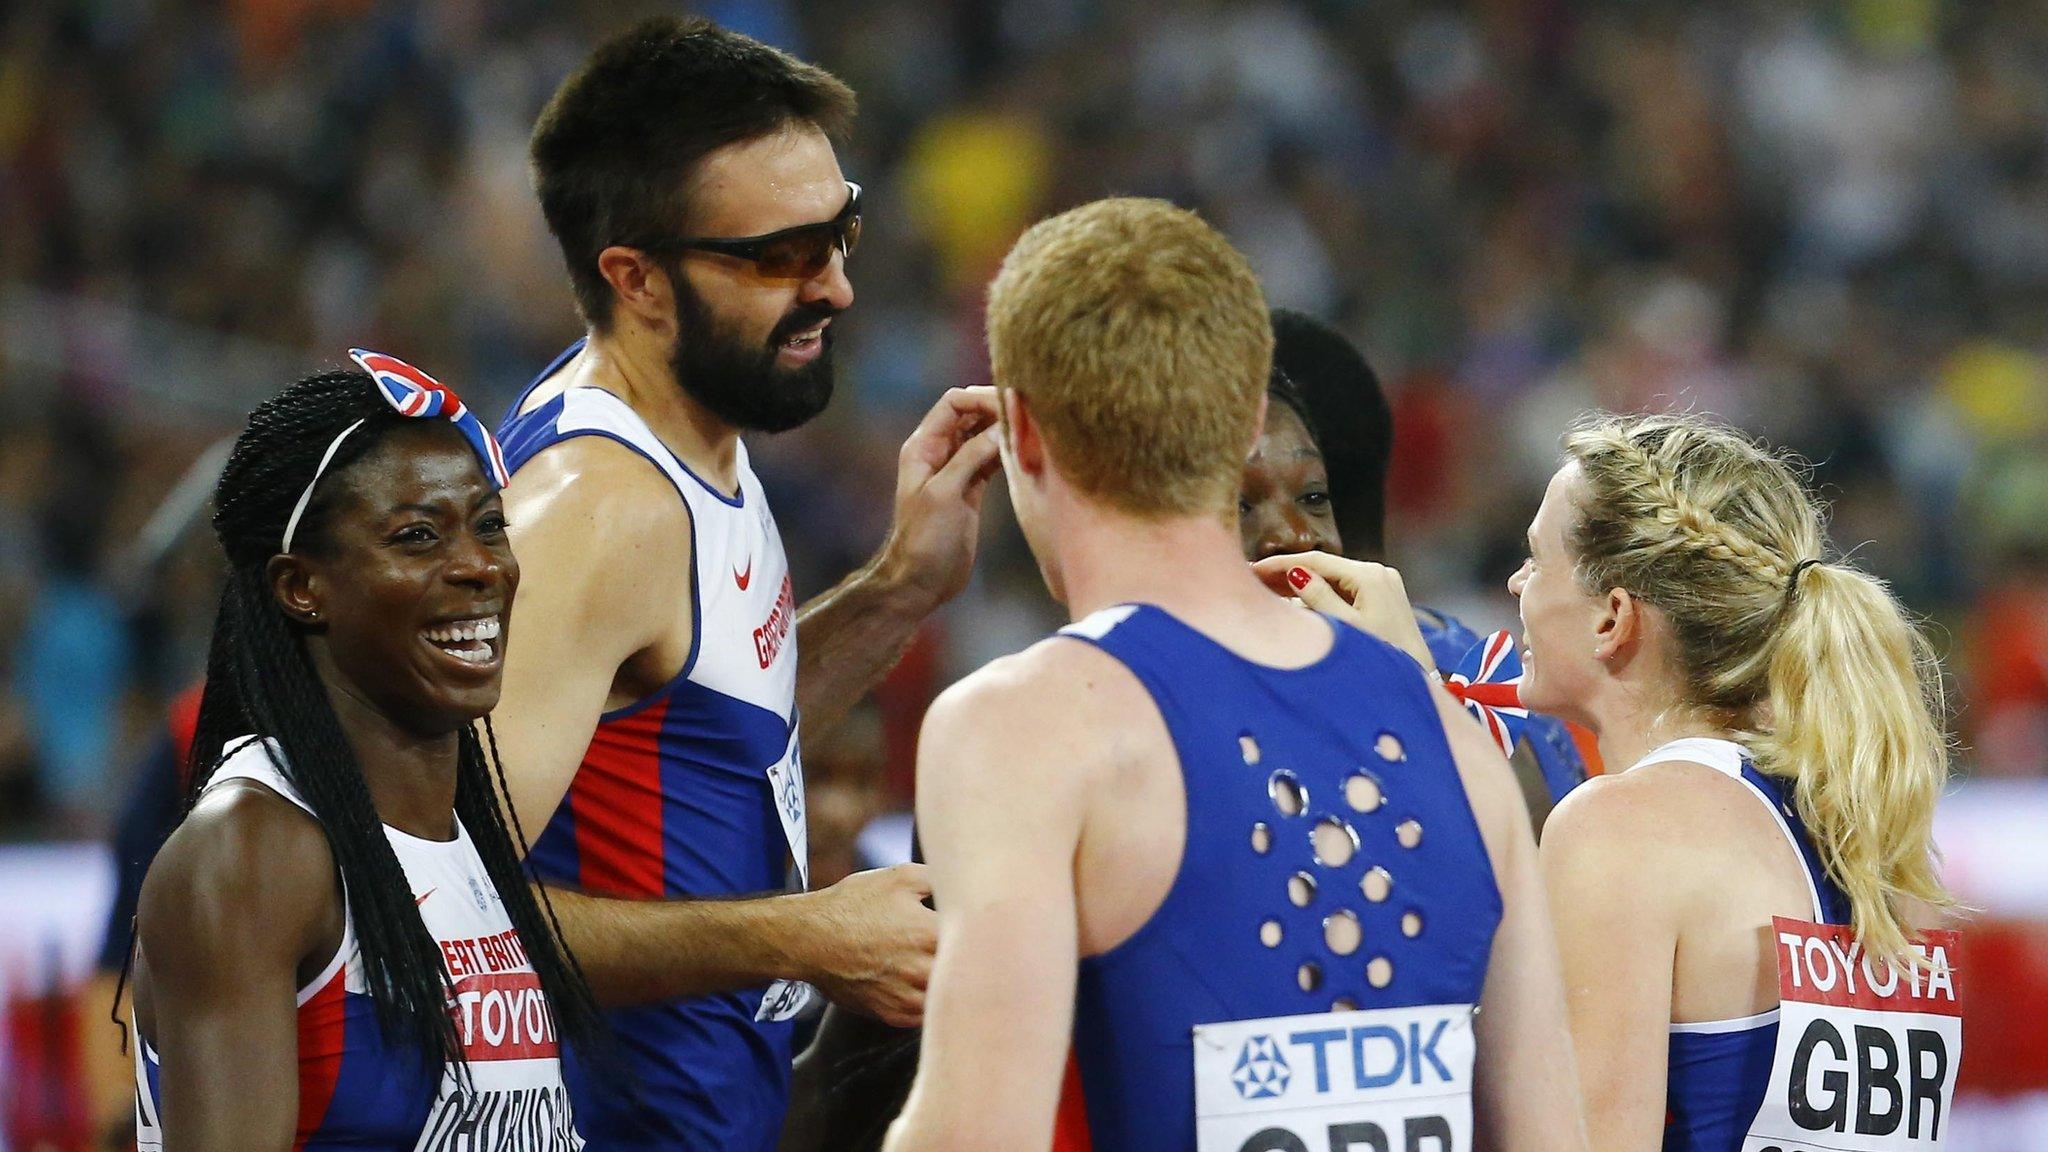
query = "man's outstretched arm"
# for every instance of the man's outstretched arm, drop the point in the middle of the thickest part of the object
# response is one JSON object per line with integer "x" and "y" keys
{"x": 850, "y": 637}
{"x": 865, "y": 942}
{"x": 1000, "y": 789}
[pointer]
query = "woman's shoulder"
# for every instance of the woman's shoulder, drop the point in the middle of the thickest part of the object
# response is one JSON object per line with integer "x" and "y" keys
{"x": 1654, "y": 809}
{"x": 1669, "y": 825}
{"x": 250, "y": 813}
{"x": 245, "y": 859}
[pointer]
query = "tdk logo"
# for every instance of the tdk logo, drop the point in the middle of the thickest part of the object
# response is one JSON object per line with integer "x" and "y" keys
{"x": 1379, "y": 1055}
{"x": 1261, "y": 1072}
{"x": 1386, "y": 1078}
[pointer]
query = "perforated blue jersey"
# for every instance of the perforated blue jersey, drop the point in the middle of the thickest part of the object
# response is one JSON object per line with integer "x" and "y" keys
{"x": 1267, "y": 754}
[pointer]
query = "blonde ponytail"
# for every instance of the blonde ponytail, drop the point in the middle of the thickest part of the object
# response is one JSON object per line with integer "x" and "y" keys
{"x": 1855, "y": 721}
{"x": 1814, "y": 666}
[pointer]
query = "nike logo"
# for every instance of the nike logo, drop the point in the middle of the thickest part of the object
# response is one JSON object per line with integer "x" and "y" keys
{"x": 744, "y": 578}
{"x": 422, "y": 897}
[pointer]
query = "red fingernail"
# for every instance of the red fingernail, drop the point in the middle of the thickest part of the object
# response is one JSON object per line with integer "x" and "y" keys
{"x": 1298, "y": 577}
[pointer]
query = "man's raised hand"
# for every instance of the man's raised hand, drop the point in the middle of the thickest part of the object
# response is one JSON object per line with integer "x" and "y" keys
{"x": 942, "y": 474}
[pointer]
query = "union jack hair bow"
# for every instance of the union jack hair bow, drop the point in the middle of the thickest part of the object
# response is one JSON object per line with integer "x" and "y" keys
{"x": 1489, "y": 683}
{"x": 414, "y": 393}
{"x": 410, "y": 392}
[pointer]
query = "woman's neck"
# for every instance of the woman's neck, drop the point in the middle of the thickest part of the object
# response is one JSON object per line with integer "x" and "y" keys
{"x": 1635, "y": 724}
{"x": 411, "y": 777}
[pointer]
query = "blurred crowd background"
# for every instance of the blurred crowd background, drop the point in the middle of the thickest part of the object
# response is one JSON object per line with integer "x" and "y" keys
{"x": 1826, "y": 220}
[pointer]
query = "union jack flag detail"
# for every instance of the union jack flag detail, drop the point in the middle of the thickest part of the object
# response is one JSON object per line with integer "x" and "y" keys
{"x": 412, "y": 392}
{"x": 1489, "y": 683}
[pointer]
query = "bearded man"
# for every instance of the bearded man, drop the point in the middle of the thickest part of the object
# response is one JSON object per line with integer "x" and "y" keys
{"x": 652, "y": 696}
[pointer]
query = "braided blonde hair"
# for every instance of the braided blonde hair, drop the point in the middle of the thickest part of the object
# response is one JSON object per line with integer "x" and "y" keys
{"x": 1814, "y": 665}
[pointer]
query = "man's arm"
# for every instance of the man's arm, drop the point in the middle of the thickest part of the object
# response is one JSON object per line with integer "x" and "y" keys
{"x": 236, "y": 899}
{"x": 1001, "y": 781}
{"x": 849, "y": 638}
{"x": 1525, "y": 1093}
{"x": 603, "y": 545}
{"x": 604, "y": 553}
{"x": 865, "y": 942}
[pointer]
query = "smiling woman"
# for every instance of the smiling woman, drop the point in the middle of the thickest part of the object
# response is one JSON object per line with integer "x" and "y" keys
{"x": 296, "y": 984}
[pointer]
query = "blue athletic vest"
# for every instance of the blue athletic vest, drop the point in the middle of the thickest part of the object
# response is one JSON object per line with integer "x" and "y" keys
{"x": 1355, "y": 730}
{"x": 678, "y": 795}
{"x": 1719, "y": 1070}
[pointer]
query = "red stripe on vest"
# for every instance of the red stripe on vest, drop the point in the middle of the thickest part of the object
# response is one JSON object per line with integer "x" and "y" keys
{"x": 616, "y": 803}
{"x": 1070, "y": 1125}
{"x": 322, "y": 1040}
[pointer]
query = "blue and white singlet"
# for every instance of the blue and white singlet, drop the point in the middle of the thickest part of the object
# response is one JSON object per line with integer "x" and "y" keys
{"x": 695, "y": 790}
{"x": 1719, "y": 1070}
{"x": 360, "y": 1092}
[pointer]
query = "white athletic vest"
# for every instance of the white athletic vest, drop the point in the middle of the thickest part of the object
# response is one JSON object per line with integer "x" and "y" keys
{"x": 515, "y": 1101}
{"x": 741, "y": 570}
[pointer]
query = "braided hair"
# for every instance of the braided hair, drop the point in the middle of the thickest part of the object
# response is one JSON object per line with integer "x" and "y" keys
{"x": 1814, "y": 665}
{"x": 260, "y": 680}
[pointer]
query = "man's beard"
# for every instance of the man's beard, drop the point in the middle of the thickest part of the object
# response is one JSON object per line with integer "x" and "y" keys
{"x": 739, "y": 382}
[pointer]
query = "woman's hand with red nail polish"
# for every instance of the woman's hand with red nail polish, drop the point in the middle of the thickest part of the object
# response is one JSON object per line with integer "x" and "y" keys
{"x": 1370, "y": 597}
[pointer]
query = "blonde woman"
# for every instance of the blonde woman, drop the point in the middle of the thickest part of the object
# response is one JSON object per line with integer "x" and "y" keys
{"x": 1779, "y": 719}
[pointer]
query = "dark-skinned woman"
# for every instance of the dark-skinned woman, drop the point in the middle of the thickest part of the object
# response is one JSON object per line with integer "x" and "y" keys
{"x": 337, "y": 947}
{"x": 1316, "y": 483}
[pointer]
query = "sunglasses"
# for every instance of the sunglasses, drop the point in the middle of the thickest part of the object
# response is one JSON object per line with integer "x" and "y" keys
{"x": 797, "y": 253}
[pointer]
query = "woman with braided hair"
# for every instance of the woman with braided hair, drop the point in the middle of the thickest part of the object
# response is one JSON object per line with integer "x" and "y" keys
{"x": 1781, "y": 720}
{"x": 337, "y": 947}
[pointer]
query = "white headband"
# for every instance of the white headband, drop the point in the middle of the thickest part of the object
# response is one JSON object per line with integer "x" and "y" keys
{"x": 291, "y": 526}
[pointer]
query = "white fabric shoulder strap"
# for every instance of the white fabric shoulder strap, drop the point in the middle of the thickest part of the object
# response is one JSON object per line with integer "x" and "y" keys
{"x": 595, "y": 410}
{"x": 1723, "y": 756}
{"x": 1727, "y": 757}
{"x": 1100, "y": 623}
{"x": 587, "y": 410}
{"x": 249, "y": 758}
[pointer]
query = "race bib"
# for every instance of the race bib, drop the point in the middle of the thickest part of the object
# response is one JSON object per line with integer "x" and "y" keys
{"x": 786, "y": 998}
{"x": 512, "y": 1097}
{"x": 1867, "y": 1055}
{"x": 1390, "y": 1080}
{"x": 786, "y": 781}
{"x": 529, "y": 1119}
